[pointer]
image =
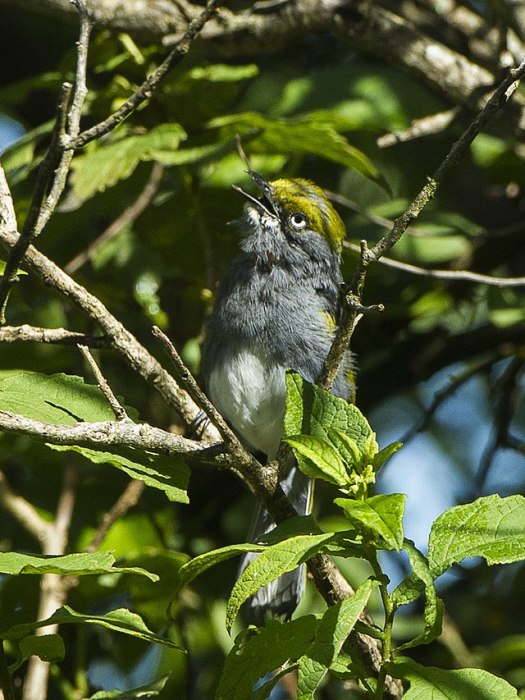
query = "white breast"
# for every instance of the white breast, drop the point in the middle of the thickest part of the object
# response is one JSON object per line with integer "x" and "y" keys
{"x": 250, "y": 393}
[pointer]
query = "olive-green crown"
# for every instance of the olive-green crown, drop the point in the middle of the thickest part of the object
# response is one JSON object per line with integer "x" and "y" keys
{"x": 298, "y": 195}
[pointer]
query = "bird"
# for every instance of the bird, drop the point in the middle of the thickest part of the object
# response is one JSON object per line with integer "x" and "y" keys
{"x": 276, "y": 308}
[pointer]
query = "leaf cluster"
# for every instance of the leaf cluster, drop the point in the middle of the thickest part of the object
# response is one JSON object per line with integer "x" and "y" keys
{"x": 490, "y": 527}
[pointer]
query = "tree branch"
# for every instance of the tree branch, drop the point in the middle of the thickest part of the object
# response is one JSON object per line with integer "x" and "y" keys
{"x": 129, "y": 16}
{"x": 53, "y": 171}
{"x": 149, "y": 85}
{"x": 127, "y": 500}
{"x": 105, "y": 434}
{"x": 118, "y": 337}
{"x": 450, "y": 275}
{"x": 369, "y": 26}
{"x": 61, "y": 336}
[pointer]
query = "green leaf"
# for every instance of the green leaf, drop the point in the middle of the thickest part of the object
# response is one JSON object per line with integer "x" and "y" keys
{"x": 383, "y": 455}
{"x": 311, "y": 410}
{"x": 273, "y": 561}
{"x": 120, "y": 620}
{"x": 429, "y": 682}
{"x": 299, "y": 135}
{"x": 63, "y": 399}
{"x": 346, "y": 447}
{"x": 104, "y": 166}
{"x": 260, "y": 651}
{"x": 197, "y": 154}
{"x": 166, "y": 473}
{"x": 383, "y": 514}
{"x": 410, "y": 589}
{"x": 200, "y": 564}
{"x": 297, "y": 525}
{"x": 490, "y": 527}
{"x": 332, "y": 630}
{"x": 318, "y": 459}
{"x": 79, "y": 564}
{"x": 60, "y": 399}
{"x": 49, "y": 647}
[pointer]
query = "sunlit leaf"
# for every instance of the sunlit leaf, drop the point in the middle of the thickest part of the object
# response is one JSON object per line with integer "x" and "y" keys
{"x": 295, "y": 136}
{"x": 273, "y": 561}
{"x": 312, "y": 411}
{"x": 382, "y": 514}
{"x": 439, "y": 684}
{"x": 261, "y": 651}
{"x": 318, "y": 459}
{"x": 420, "y": 580}
{"x": 78, "y": 564}
{"x": 490, "y": 527}
{"x": 332, "y": 630}
{"x": 104, "y": 166}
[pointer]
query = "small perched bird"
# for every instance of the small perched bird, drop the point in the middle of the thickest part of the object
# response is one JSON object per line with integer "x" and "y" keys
{"x": 277, "y": 307}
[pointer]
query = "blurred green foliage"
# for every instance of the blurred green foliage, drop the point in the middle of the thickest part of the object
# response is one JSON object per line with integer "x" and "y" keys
{"x": 313, "y": 111}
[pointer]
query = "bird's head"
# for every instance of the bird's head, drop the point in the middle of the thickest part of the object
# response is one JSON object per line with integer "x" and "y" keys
{"x": 291, "y": 218}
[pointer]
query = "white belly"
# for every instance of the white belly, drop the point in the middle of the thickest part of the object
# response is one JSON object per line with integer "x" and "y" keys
{"x": 250, "y": 394}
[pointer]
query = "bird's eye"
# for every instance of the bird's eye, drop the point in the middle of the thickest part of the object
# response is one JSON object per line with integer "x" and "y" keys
{"x": 299, "y": 221}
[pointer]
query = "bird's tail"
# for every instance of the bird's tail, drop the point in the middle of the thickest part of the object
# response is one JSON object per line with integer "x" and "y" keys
{"x": 280, "y": 597}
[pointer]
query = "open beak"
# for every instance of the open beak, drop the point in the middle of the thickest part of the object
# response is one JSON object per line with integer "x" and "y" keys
{"x": 264, "y": 202}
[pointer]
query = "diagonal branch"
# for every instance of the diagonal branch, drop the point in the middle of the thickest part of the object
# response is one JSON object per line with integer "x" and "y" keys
{"x": 24, "y": 512}
{"x": 150, "y": 84}
{"x": 103, "y": 384}
{"x": 450, "y": 275}
{"x": 118, "y": 337}
{"x": 353, "y": 306}
{"x": 129, "y": 215}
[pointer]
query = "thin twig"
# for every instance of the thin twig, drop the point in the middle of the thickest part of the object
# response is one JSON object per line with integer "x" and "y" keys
{"x": 7, "y": 209}
{"x": 150, "y": 84}
{"x": 116, "y": 407}
{"x": 503, "y": 414}
{"x": 455, "y": 383}
{"x": 45, "y": 173}
{"x": 126, "y": 501}
{"x": 431, "y": 124}
{"x": 53, "y": 171}
{"x": 195, "y": 391}
{"x": 61, "y": 336}
{"x": 127, "y": 217}
{"x": 497, "y": 101}
{"x": 450, "y": 275}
